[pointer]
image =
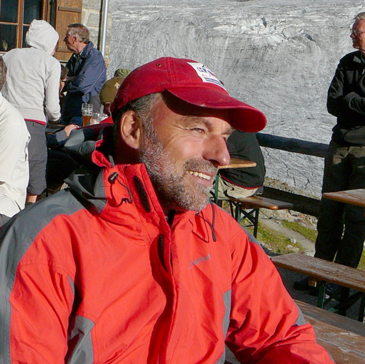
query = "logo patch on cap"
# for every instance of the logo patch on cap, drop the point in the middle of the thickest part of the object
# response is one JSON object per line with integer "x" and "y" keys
{"x": 206, "y": 74}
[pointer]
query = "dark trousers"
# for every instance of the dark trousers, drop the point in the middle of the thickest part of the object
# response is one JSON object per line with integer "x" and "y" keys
{"x": 341, "y": 227}
{"x": 37, "y": 150}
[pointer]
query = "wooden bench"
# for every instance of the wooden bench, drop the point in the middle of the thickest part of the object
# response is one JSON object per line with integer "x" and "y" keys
{"x": 328, "y": 272}
{"x": 342, "y": 337}
{"x": 249, "y": 208}
{"x": 252, "y": 203}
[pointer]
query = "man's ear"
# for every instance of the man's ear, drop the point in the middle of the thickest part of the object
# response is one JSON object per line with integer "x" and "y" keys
{"x": 131, "y": 129}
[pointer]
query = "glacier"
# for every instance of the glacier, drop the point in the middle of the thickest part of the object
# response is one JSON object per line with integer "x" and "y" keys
{"x": 276, "y": 55}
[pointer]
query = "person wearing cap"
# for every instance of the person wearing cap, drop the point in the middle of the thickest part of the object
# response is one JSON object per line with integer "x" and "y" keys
{"x": 109, "y": 90}
{"x": 122, "y": 72}
{"x": 132, "y": 263}
{"x": 86, "y": 74}
{"x": 32, "y": 87}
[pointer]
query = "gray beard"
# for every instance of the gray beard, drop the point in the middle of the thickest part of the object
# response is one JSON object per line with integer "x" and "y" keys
{"x": 169, "y": 182}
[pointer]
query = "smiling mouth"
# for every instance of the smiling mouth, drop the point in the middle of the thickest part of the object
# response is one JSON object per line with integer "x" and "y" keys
{"x": 201, "y": 175}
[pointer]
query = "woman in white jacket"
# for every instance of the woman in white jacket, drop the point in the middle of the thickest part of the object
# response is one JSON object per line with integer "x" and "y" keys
{"x": 32, "y": 87}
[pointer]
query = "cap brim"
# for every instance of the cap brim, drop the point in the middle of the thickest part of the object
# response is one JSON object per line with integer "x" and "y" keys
{"x": 242, "y": 116}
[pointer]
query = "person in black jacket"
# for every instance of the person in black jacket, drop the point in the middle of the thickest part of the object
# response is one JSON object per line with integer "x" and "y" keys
{"x": 341, "y": 227}
{"x": 242, "y": 182}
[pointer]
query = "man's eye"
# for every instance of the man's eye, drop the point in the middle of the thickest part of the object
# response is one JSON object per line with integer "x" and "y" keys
{"x": 199, "y": 130}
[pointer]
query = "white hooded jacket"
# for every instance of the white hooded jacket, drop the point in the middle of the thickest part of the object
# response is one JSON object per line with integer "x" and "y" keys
{"x": 33, "y": 77}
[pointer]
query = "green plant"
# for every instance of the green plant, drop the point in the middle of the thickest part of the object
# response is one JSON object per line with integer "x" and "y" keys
{"x": 362, "y": 261}
{"x": 278, "y": 243}
{"x": 310, "y": 234}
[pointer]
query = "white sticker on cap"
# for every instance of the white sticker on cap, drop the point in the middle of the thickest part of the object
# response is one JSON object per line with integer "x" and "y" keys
{"x": 206, "y": 74}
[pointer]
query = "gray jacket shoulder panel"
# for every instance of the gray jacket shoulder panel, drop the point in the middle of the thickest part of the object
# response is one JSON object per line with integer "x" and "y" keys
{"x": 15, "y": 239}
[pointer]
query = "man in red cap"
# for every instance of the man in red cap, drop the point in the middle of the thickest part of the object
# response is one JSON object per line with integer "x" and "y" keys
{"x": 132, "y": 264}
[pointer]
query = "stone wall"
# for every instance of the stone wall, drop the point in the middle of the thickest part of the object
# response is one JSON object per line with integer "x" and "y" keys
{"x": 91, "y": 17}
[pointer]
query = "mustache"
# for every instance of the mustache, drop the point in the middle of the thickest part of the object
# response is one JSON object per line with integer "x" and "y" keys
{"x": 200, "y": 165}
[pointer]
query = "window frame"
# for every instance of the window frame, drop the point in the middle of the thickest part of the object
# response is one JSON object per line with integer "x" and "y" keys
{"x": 20, "y": 21}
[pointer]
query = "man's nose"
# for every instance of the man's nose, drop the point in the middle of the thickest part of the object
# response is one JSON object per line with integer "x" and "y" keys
{"x": 216, "y": 151}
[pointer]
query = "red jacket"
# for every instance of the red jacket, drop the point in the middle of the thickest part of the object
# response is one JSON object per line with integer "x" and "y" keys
{"x": 95, "y": 274}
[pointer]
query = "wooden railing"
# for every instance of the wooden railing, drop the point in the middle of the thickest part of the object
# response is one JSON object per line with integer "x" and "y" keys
{"x": 292, "y": 145}
{"x": 303, "y": 204}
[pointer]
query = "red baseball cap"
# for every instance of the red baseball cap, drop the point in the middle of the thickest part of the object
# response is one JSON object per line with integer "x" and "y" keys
{"x": 191, "y": 82}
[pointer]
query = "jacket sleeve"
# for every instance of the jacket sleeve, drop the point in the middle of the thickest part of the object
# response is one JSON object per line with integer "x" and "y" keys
{"x": 342, "y": 101}
{"x": 52, "y": 88}
{"x": 36, "y": 301}
{"x": 91, "y": 76}
{"x": 266, "y": 326}
{"x": 12, "y": 146}
{"x": 56, "y": 140}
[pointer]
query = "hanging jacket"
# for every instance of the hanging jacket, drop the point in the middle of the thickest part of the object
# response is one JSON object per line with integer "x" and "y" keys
{"x": 95, "y": 274}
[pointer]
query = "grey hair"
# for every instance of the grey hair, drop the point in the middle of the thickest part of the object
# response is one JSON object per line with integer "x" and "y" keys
{"x": 143, "y": 107}
{"x": 3, "y": 70}
{"x": 360, "y": 16}
{"x": 80, "y": 31}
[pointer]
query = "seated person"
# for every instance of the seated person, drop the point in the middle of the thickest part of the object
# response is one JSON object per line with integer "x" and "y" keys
{"x": 86, "y": 74}
{"x": 59, "y": 164}
{"x": 108, "y": 92}
{"x": 242, "y": 182}
{"x": 14, "y": 164}
{"x": 122, "y": 72}
{"x": 131, "y": 263}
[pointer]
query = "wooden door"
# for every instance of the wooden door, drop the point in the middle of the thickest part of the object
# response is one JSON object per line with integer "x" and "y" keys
{"x": 63, "y": 13}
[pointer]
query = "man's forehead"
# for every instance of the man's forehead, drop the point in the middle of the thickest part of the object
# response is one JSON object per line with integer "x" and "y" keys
{"x": 359, "y": 22}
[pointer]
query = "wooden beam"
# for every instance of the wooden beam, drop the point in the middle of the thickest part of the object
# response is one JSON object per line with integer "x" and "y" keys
{"x": 292, "y": 145}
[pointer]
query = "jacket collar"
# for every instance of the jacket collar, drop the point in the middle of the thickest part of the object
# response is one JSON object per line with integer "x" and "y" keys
{"x": 124, "y": 194}
{"x": 86, "y": 51}
{"x": 358, "y": 58}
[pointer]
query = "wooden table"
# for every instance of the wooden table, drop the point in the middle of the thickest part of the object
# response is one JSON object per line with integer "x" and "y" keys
{"x": 327, "y": 272}
{"x": 238, "y": 163}
{"x": 342, "y": 337}
{"x": 352, "y": 197}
